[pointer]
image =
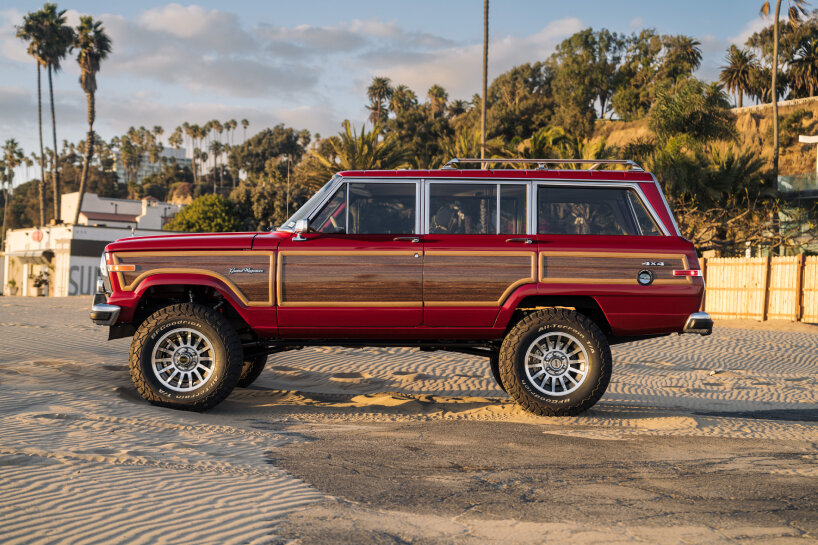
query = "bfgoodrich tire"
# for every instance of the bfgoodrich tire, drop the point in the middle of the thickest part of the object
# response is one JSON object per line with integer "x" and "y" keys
{"x": 251, "y": 370}
{"x": 555, "y": 362}
{"x": 185, "y": 356}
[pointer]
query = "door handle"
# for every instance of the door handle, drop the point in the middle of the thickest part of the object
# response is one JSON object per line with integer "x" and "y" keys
{"x": 525, "y": 240}
{"x": 408, "y": 239}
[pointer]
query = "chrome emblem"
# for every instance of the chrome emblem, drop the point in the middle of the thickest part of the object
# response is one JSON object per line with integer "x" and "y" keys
{"x": 245, "y": 270}
{"x": 653, "y": 263}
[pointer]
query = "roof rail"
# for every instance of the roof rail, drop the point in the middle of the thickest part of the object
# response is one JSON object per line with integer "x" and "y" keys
{"x": 632, "y": 165}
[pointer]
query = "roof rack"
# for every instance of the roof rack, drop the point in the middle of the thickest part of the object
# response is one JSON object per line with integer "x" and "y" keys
{"x": 632, "y": 165}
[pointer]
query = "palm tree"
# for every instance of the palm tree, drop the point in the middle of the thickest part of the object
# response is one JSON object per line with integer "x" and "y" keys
{"x": 804, "y": 67}
{"x": 215, "y": 148}
{"x": 353, "y": 151}
{"x": 736, "y": 75}
{"x": 797, "y": 8}
{"x": 93, "y": 45}
{"x": 244, "y": 125}
{"x": 485, "y": 80}
{"x": 13, "y": 157}
{"x": 402, "y": 99}
{"x": 379, "y": 93}
{"x": 438, "y": 97}
{"x": 33, "y": 31}
{"x": 59, "y": 39}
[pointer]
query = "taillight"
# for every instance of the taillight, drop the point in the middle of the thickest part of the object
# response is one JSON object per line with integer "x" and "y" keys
{"x": 688, "y": 272}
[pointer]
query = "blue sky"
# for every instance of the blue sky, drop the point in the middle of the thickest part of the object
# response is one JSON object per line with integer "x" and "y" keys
{"x": 307, "y": 63}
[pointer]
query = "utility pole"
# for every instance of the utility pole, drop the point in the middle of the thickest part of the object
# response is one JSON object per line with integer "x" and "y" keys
{"x": 485, "y": 81}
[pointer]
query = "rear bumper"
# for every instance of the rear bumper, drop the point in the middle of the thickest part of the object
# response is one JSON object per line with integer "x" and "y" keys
{"x": 103, "y": 313}
{"x": 699, "y": 322}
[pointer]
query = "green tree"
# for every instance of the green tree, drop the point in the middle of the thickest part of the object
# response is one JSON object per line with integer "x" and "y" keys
{"x": 575, "y": 83}
{"x": 253, "y": 154}
{"x": 683, "y": 56}
{"x": 13, "y": 157}
{"x": 402, "y": 99}
{"x": 92, "y": 45}
{"x": 438, "y": 97}
{"x": 692, "y": 109}
{"x": 206, "y": 214}
{"x": 736, "y": 75}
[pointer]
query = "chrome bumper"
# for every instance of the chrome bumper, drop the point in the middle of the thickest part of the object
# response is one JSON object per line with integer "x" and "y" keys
{"x": 104, "y": 314}
{"x": 699, "y": 322}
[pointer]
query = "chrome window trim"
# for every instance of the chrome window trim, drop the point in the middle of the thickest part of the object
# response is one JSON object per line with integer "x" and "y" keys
{"x": 633, "y": 216}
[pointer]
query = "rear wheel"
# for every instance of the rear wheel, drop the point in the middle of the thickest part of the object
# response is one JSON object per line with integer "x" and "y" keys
{"x": 251, "y": 370}
{"x": 185, "y": 356}
{"x": 555, "y": 362}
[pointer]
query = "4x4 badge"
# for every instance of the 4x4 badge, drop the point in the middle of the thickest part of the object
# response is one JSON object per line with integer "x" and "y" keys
{"x": 245, "y": 270}
{"x": 653, "y": 263}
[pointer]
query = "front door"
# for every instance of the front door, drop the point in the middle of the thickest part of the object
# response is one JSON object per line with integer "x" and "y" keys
{"x": 477, "y": 251}
{"x": 360, "y": 266}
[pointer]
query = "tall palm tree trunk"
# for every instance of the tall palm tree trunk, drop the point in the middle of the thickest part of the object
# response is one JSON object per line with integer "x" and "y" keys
{"x": 5, "y": 215}
{"x": 42, "y": 153}
{"x": 774, "y": 89}
{"x": 485, "y": 80}
{"x": 55, "y": 179}
{"x": 89, "y": 153}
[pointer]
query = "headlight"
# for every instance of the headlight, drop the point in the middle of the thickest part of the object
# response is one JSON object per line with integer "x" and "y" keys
{"x": 103, "y": 266}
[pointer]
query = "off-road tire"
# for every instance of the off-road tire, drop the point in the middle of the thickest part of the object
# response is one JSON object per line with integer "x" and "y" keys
{"x": 494, "y": 364}
{"x": 228, "y": 356}
{"x": 527, "y": 331}
{"x": 251, "y": 370}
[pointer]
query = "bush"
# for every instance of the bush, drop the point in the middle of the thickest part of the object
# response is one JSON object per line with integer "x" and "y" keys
{"x": 206, "y": 214}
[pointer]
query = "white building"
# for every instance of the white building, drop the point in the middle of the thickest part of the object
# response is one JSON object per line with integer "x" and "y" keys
{"x": 61, "y": 260}
{"x": 149, "y": 213}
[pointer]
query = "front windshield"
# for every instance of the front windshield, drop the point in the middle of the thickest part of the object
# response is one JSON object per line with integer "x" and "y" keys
{"x": 302, "y": 212}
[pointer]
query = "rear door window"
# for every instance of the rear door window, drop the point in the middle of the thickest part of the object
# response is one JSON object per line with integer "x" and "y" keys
{"x": 477, "y": 209}
{"x": 570, "y": 210}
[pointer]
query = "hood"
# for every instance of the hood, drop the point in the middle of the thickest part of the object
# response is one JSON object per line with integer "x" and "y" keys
{"x": 185, "y": 241}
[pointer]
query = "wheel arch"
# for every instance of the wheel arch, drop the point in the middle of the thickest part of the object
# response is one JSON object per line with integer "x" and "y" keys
{"x": 528, "y": 302}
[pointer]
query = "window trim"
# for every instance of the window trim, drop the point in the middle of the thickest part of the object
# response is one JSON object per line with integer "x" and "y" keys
{"x": 427, "y": 182}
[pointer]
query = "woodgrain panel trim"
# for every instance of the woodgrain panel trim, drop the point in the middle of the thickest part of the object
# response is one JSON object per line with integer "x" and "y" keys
{"x": 647, "y": 256}
{"x": 280, "y": 273}
{"x": 530, "y": 279}
{"x": 204, "y": 272}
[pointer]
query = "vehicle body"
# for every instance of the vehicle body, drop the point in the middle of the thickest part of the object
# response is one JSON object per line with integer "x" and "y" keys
{"x": 448, "y": 259}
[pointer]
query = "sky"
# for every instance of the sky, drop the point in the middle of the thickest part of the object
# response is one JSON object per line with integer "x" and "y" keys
{"x": 307, "y": 63}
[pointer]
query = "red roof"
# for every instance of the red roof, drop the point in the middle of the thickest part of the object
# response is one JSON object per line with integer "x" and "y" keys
{"x": 101, "y": 216}
{"x": 525, "y": 174}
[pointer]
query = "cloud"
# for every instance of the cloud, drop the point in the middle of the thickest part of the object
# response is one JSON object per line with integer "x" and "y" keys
{"x": 752, "y": 26}
{"x": 637, "y": 23}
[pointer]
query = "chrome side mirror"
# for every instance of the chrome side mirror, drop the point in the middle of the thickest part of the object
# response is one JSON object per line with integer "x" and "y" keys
{"x": 301, "y": 227}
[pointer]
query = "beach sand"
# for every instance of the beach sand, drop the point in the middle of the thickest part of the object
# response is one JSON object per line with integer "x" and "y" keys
{"x": 84, "y": 460}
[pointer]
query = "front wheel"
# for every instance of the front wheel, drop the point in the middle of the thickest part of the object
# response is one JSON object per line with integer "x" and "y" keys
{"x": 185, "y": 356}
{"x": 555, "y": 362}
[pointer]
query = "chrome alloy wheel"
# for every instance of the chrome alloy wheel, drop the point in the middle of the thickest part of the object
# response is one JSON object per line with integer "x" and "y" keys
{"x": 556, "y": 363}
{"x": 183, "y": 360}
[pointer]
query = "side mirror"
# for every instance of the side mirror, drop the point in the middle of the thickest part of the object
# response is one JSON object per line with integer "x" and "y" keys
{"x": 301, "y": 227}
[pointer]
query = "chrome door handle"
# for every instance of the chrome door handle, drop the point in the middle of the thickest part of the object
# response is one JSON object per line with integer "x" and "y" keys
{"x": 525, "y": 240}
{"x": 408, "y": 239}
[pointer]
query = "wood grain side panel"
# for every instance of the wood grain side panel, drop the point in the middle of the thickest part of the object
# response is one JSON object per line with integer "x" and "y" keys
{"x": 591, "y": 267}
{"x": 354, "y": 278}
{"x": 247, "y": 274}
{"x": 451, "y": 279}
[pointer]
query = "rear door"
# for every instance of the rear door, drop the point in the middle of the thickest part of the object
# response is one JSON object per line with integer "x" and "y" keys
{"x": 477, "y": 250}
{"x": 360, "y": 266}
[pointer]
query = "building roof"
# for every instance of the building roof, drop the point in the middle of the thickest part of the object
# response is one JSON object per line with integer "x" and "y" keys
{"x": 101, "y": 216}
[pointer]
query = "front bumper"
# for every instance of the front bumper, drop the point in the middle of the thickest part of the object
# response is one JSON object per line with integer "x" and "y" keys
{"x": 103, "y": 313}
{"x": 699, "y": 322}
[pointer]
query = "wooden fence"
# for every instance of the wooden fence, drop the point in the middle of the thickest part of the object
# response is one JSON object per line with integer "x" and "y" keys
{"x": 762, "y": 288}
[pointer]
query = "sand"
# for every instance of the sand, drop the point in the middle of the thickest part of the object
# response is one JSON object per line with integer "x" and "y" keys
{"x": 84, "y": 460}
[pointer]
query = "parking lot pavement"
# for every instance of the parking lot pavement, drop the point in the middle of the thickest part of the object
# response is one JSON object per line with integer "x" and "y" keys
{"x": 698, "y": 440}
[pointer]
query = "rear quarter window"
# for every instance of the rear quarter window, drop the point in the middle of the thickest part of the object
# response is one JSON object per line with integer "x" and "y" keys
{"x": 571, "y": 210}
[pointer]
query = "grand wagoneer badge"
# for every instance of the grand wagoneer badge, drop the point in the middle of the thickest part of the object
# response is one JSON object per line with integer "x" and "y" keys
{"x": 245, "y": 270}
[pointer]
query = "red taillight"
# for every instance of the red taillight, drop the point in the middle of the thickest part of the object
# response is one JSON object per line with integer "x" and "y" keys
{"x": 689, "y": 272}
